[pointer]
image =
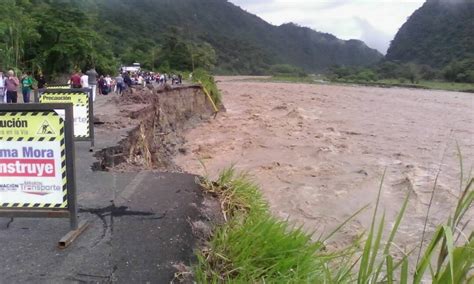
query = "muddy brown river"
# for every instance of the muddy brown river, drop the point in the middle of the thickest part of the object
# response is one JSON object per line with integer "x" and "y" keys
{"x": 319, "y": 151}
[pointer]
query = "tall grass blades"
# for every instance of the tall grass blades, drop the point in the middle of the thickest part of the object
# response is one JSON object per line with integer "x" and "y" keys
{"x": 254, "y": 247}
{"x": 454, "y": 261}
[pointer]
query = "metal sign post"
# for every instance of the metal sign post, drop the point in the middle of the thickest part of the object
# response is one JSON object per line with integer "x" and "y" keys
{"x": 83, "y": 110}
{"x": 58, "y": 86}
{"x": 37, "y": 171}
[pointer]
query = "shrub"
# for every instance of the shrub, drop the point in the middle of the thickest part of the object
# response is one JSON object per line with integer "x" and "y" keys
{"x": 287, "y": 70}
{"x": 207, "y": 80}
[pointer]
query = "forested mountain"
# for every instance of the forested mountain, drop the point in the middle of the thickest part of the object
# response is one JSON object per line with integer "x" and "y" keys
{"x": 438, "y": 33}
{"x": 243, "y": 42}
{"x": 59, "y": 35}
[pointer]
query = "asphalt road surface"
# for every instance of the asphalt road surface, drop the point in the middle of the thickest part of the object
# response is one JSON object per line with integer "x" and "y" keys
{"x": 139, "y": 229}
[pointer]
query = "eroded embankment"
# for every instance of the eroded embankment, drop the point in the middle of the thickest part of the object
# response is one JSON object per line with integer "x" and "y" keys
{"x": 153, "y": 119}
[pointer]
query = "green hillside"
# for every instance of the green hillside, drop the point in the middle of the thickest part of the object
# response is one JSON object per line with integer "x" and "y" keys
{"x": 438, "y": 33}
{"x": 243, "y": 42}
{"x": 59, "y": 35}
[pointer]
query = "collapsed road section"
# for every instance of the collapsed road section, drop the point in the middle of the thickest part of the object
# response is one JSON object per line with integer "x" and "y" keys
{"x": 145, "y": 223}
{"x": 155, "y": 119}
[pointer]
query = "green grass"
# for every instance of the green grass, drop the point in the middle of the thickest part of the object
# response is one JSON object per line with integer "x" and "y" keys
{"x": 307, "y": 79}
{"x": 289, "y": 79}
{"x": 207, "y": 80}
{"x": 435, "y": 85}
{"x": 254, "y": 247}
{"x": 431, "y": 85}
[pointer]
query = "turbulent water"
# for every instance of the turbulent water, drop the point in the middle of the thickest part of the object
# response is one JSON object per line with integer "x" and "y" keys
{"x": 319, "y": 151}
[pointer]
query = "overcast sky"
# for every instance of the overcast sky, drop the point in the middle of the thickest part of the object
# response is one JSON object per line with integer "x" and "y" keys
{"x": 374, "y": 21}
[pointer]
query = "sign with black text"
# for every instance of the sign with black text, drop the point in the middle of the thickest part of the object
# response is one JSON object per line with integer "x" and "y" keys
{"x": 80, "y": 102}
{"x": 32, "y": 160}
{"x": 37, "y": 175}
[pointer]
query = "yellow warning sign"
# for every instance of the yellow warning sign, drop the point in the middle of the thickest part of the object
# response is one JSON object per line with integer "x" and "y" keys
{"x": 80, "y": 101}
{"x": 76, "y": 98}
{"x": 32, "y": 160}
{"x": 18, "y": 125}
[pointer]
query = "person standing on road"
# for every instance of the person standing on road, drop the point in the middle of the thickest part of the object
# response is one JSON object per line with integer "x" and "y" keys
{"x": 140, "y": 80}
{"x": 26, "y": 86}
{"x": 3, "y": 97}
{"x": 85, "y": 81}
{"x": 127, "y": 80}
{"x": 120, "y": 84}
{"x": 103, "y": 88}
{"x": 41, "y": 81}
{"x": 41, "y": 84}
{"x": 11, "y": 84}
{"x": 108, "y": 81}
{"x": 92, "y": 74}
{"x": 76, "y": 81}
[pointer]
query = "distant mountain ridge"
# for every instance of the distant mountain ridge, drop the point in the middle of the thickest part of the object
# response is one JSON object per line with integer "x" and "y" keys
{"x": 244, "y": 43}
{"x": 436, "y": 34}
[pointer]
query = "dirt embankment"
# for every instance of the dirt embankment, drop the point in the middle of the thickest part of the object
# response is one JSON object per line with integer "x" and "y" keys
{"x": 153, "y": 120}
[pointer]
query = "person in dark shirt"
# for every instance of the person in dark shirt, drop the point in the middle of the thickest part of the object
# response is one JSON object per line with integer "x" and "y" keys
{"x": 103, "y": 88}
{"x": 92, "y": 77}
{"x": 41, "y": 84}
{"x": 41, "y": 81}
{"x": 127, "y": 80}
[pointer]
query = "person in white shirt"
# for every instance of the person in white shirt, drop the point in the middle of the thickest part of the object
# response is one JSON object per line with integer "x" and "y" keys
{"x": 108, "y": 80}
{"x": 3, "y": 97}
{"x": 85, "y": 81}
{"x": 140, "y": 80}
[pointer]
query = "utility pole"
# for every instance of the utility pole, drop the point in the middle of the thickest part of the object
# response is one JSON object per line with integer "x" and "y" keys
{"x": 153, "y": 59}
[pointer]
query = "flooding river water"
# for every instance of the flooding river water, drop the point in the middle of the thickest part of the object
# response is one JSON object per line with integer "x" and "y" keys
{"x": 319, "y": 151}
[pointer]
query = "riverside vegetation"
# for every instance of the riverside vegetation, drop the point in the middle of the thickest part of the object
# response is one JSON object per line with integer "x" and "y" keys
{"x": 253, "y": 246}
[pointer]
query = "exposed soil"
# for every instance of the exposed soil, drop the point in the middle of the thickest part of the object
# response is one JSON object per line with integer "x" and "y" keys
{"x": 153, "y": 120}
{"x": 319, "y": 151}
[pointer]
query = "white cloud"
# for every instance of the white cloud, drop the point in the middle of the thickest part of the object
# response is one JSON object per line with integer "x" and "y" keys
{"x": 374, "y": 21}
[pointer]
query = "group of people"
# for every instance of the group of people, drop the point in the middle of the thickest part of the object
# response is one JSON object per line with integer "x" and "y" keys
{"x": 143, "y": 78}
{"x": 85, "y": 80}
{"x": 10, "y": 83}
{"x": 105, "y": 84}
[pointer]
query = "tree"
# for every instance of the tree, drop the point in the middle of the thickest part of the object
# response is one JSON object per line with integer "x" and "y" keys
{"x": 17, "y": 30}
{"x": 460, "y": 70}
{"x": 178, "y": 54}
{"x": 202, "y": 56}
{"x": 410, "y": 72}
{"x": 69, "y": 40}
